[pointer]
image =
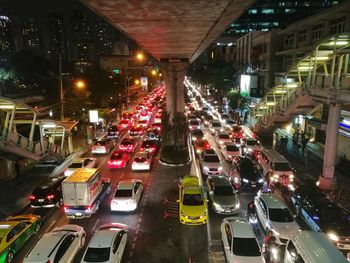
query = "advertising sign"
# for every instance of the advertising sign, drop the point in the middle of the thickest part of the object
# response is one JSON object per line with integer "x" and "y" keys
{"x": 248, "y": 83}
{"x": 93, "y": 116}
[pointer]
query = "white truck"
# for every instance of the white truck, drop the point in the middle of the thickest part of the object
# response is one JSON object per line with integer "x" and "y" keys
{"x": 83, "y": 191}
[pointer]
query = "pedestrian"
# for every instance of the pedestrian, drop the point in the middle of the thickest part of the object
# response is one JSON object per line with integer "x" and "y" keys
{"x": 245, "y": 118}
{"x": 348, "y": 256}
{"x": 268, "y": 241}
{"x": 304, "y": 143}
{"x": 75, "y": 130}
{"x": 286, "y": 140}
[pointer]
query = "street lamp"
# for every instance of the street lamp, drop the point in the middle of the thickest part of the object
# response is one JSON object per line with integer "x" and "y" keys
{"x": 140, "y": 56}
{"x": 137, "y": 82}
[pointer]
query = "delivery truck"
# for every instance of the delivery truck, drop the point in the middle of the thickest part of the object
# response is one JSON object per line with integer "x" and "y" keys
{"x": 83, "y": 192}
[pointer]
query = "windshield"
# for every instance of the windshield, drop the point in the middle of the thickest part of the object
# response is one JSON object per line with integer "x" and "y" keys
{"x": 113, "y": 129}
{"x": 194, "y": 122}
{"x": 280, "y": 215}
{"x": 251, "y": 142}
{"x": 211, "y": 159}
{"x": 101, "y": 143}
{"x": 126, "y": 143}
{"x": 246, "y": 247}
{"x": 192, "y": 199}
{"x": 282, "y": 167}
{"x": 123, "y": 193}
{"x": 197, "y": 133}
{"x": 224, "y": 136}
{"x": 232, "y": 148}
{"x": 237, "y": 129}
{"x": 97, "y": 254}
{"x": 224, "y": 190}
{"x": 117, "y": 156}
{"x": 140, "y": 159}
{"x": 216, "y": 124}
{"x": 76, "y": 165}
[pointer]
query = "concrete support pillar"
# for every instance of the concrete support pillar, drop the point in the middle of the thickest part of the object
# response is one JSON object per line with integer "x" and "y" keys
{"x": 11, "y": 121}
{"x": 70, "y": 143}
{"x": 346, "y": 64}
{"x": 62, "y": 139}
{"x": 41, "y": 129}
{"x": 174, "y": 75}
{"x": 31, "y": 134}
{"x": 6, "y": 124}
{"x": 327, "y": 180}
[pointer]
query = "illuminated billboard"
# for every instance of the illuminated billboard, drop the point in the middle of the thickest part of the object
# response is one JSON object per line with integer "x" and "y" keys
{"x": 247, "y": 84}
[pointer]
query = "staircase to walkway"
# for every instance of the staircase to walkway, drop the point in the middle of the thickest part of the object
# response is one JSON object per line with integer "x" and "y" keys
{"x": 291, "y": 96}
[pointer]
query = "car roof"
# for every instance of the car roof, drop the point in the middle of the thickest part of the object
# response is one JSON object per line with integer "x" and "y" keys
{"x": 127, "y": 184}
{"x": 102, "y": 238}
{"x": 49, "y": 182}
{"x": 46, "y": 244}
{"x": 209, "y": 152}
{"x": 275, "y": 156}
{"x": 141, "y": 155}
{"x": 241, "y": 227}
{"x": 273, "y": 200}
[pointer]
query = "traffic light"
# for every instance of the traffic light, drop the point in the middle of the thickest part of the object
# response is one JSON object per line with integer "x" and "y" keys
{"x": 117, "y": 71}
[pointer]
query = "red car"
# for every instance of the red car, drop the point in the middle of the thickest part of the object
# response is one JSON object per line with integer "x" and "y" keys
{"x": 136, "y": 131}
{"x": 127, "y": 145}
{"x": 118, "y": 160}
{"x": 150, "y": 146}
{"x": 124, "y": 124}
{"x": 201, "y": 145}
{"x": 237, "y": 132}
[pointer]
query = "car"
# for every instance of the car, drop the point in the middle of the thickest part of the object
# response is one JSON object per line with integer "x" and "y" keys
{"x": 200, "y": 145}
{"x": 144, "y": 116}
{"x": 222, "y": 195}
{"x": 113, "y": 132}
{"x": 239, "y": 241}
{"x": 102, "y": 146}
{"x": 15, "y": 231}
{"x": 60, "y": 245}
{"x": 207, "y": 119}
{"x": 229, "y": 123}
{"x": 124, "y": 124}
{"x": 223, "y": 118}
{"x": 236, "y": 132}
{"x": 210, "y": 163}
{"x": 246, "y": 174}
{"x": 136, "y": 131}
{"x": 274, "y": 215}
{"x": 127, "y": 195}
{"x": 221, "y": 138}
{"x": 229, "y": 150}
{"x": 127, "y": 145}
{"x": 143, "y": 123}
{"x": 192, "y": 204}
{"x": 194, "y": 124}
{"x": 150, "y": 146}
{"x": 303, "y": 191}
{"x": 48, "y": 194}
{"x": 215, "y": 127}
{"x": 249, "y": 144}
{"x": 322, "y": 214}
{"x": 88, "y": 162}
{"x": 152, "y": 134}
{"x": 107, "y": 244}
{"x": 118, "y": 159}
{"x": 142, "y": 161}
{"x": 197, "y": 134}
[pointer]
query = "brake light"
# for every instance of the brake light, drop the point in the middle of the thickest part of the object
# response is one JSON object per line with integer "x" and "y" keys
{"x": 145, "y": 162}
{"x": 88, "y": 210}
{"x": 207, "y": 145}
{"x": 50, "y": 196}
{"x": 65, "y": 209}
{"x": 32, "y": 197}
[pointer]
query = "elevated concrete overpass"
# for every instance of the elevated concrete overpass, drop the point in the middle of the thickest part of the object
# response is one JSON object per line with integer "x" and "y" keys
{"x": 173, "y": 32}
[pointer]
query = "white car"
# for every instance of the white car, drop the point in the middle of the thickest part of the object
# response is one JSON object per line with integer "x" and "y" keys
{"x": 240, "y": 243}
{"x": 230, "y": 150}
{"x": 221, "y": 138}
{"x": 223, "y": 198}
{"x": 142, "y": 161}
{"x": 107, "y": 244}
{"x": 102, "y": 146}
{"x": 215, "y": 127}
{"x": 210, "y": 163}
{"x": 59, "y": 245}
{"x": 249, "y": 144}
{"x": 274, "y": 215}
{"x": 77, "y": 163}
{"x": 127, "y": 195}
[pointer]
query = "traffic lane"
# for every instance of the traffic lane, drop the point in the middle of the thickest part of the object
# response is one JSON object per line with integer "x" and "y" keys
{"x": 163, "y": 238}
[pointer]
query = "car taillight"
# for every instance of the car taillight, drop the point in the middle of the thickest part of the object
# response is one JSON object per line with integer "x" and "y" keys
{"x": 32, "y": 197}
{"x": 207, "y": 145}
{"x": 65, "y": 209}
{"x": 50, "y": 196}
{"x": 142, "y": 149}
{"x": 88, "y": 210}
{"x": 145, "y": 162}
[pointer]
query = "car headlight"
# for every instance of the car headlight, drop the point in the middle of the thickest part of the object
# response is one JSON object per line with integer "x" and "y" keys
{"x": 237, "y": 206}
{"x": 217, "y": 206}
{"x": 333, "y": 237}
{"x": 261, "y": 180}
{"x": 275, "y": 232}
{"x": 245, "y": 180}
{"x": 206, "y": 168}
{"x": 291, "y": 176}
{"x": 184, "y": 215}
{"x": 198, "y": 151}
{"x": 236, "y": 180}
{"x": 249, "y": 149}
{"x": 194, "y": 139}
{"x": 276, "y": 176}
{"x": 219, "y": 168}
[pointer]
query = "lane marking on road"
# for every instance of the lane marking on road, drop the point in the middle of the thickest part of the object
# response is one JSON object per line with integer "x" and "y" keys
{"x": 95, "y": 225}
{"x": 134, "y": 240}
{"x": 51, "y": 226}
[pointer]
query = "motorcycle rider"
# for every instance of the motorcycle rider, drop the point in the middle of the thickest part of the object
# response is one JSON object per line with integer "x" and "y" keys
{"x": 269, "y": 242}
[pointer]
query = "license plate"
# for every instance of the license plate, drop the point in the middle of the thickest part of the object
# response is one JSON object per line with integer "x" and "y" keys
{"x": 41, "y": 200}
{"x": 78, "y": 214}
{"x": 253, "y": 185}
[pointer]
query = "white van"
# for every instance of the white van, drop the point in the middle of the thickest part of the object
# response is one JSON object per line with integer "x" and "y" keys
{"x": 312, "y": 247}
{"x": 276, "y": 167}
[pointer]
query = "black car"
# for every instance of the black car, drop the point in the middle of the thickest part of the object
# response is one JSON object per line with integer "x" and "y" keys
{"x": 113, "y": 132}
{"x": 303, "y": 191}
{"x": 150, "y": 146}
{"x": 48, "y": 194}
{"x": 246, "y": 174}
{"x": 197, "y": 134}
{"x": 322, "y": 214}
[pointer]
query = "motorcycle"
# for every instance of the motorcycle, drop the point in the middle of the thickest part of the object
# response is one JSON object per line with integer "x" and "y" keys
{"x": 272, "y": 253}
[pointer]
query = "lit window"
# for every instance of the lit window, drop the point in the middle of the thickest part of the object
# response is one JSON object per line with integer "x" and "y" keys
{"x": 267, "y": 11}
{"x": 252, "y": 11}
{"x": 289, "y": 10}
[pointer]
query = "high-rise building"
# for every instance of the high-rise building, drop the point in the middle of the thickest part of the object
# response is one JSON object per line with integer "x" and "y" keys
{"x": 31, "y": 35}
{"x": 265, "y": 15}
{"x": 6, "y": 42}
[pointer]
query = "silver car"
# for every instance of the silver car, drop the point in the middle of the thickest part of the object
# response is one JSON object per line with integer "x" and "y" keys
{"x": 210, "y": 163}
{"x": 223, "y": 197}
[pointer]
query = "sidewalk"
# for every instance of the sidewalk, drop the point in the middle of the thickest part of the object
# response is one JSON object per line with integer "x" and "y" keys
{"x": 310, "y": 167}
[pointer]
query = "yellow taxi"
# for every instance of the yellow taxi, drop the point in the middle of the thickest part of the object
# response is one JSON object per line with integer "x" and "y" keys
{"x": 14, "y": 233}
{"x": 192, "y": 204}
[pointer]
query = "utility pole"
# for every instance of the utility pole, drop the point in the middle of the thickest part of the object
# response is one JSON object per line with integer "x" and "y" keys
{"x": 61, "y": 87}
